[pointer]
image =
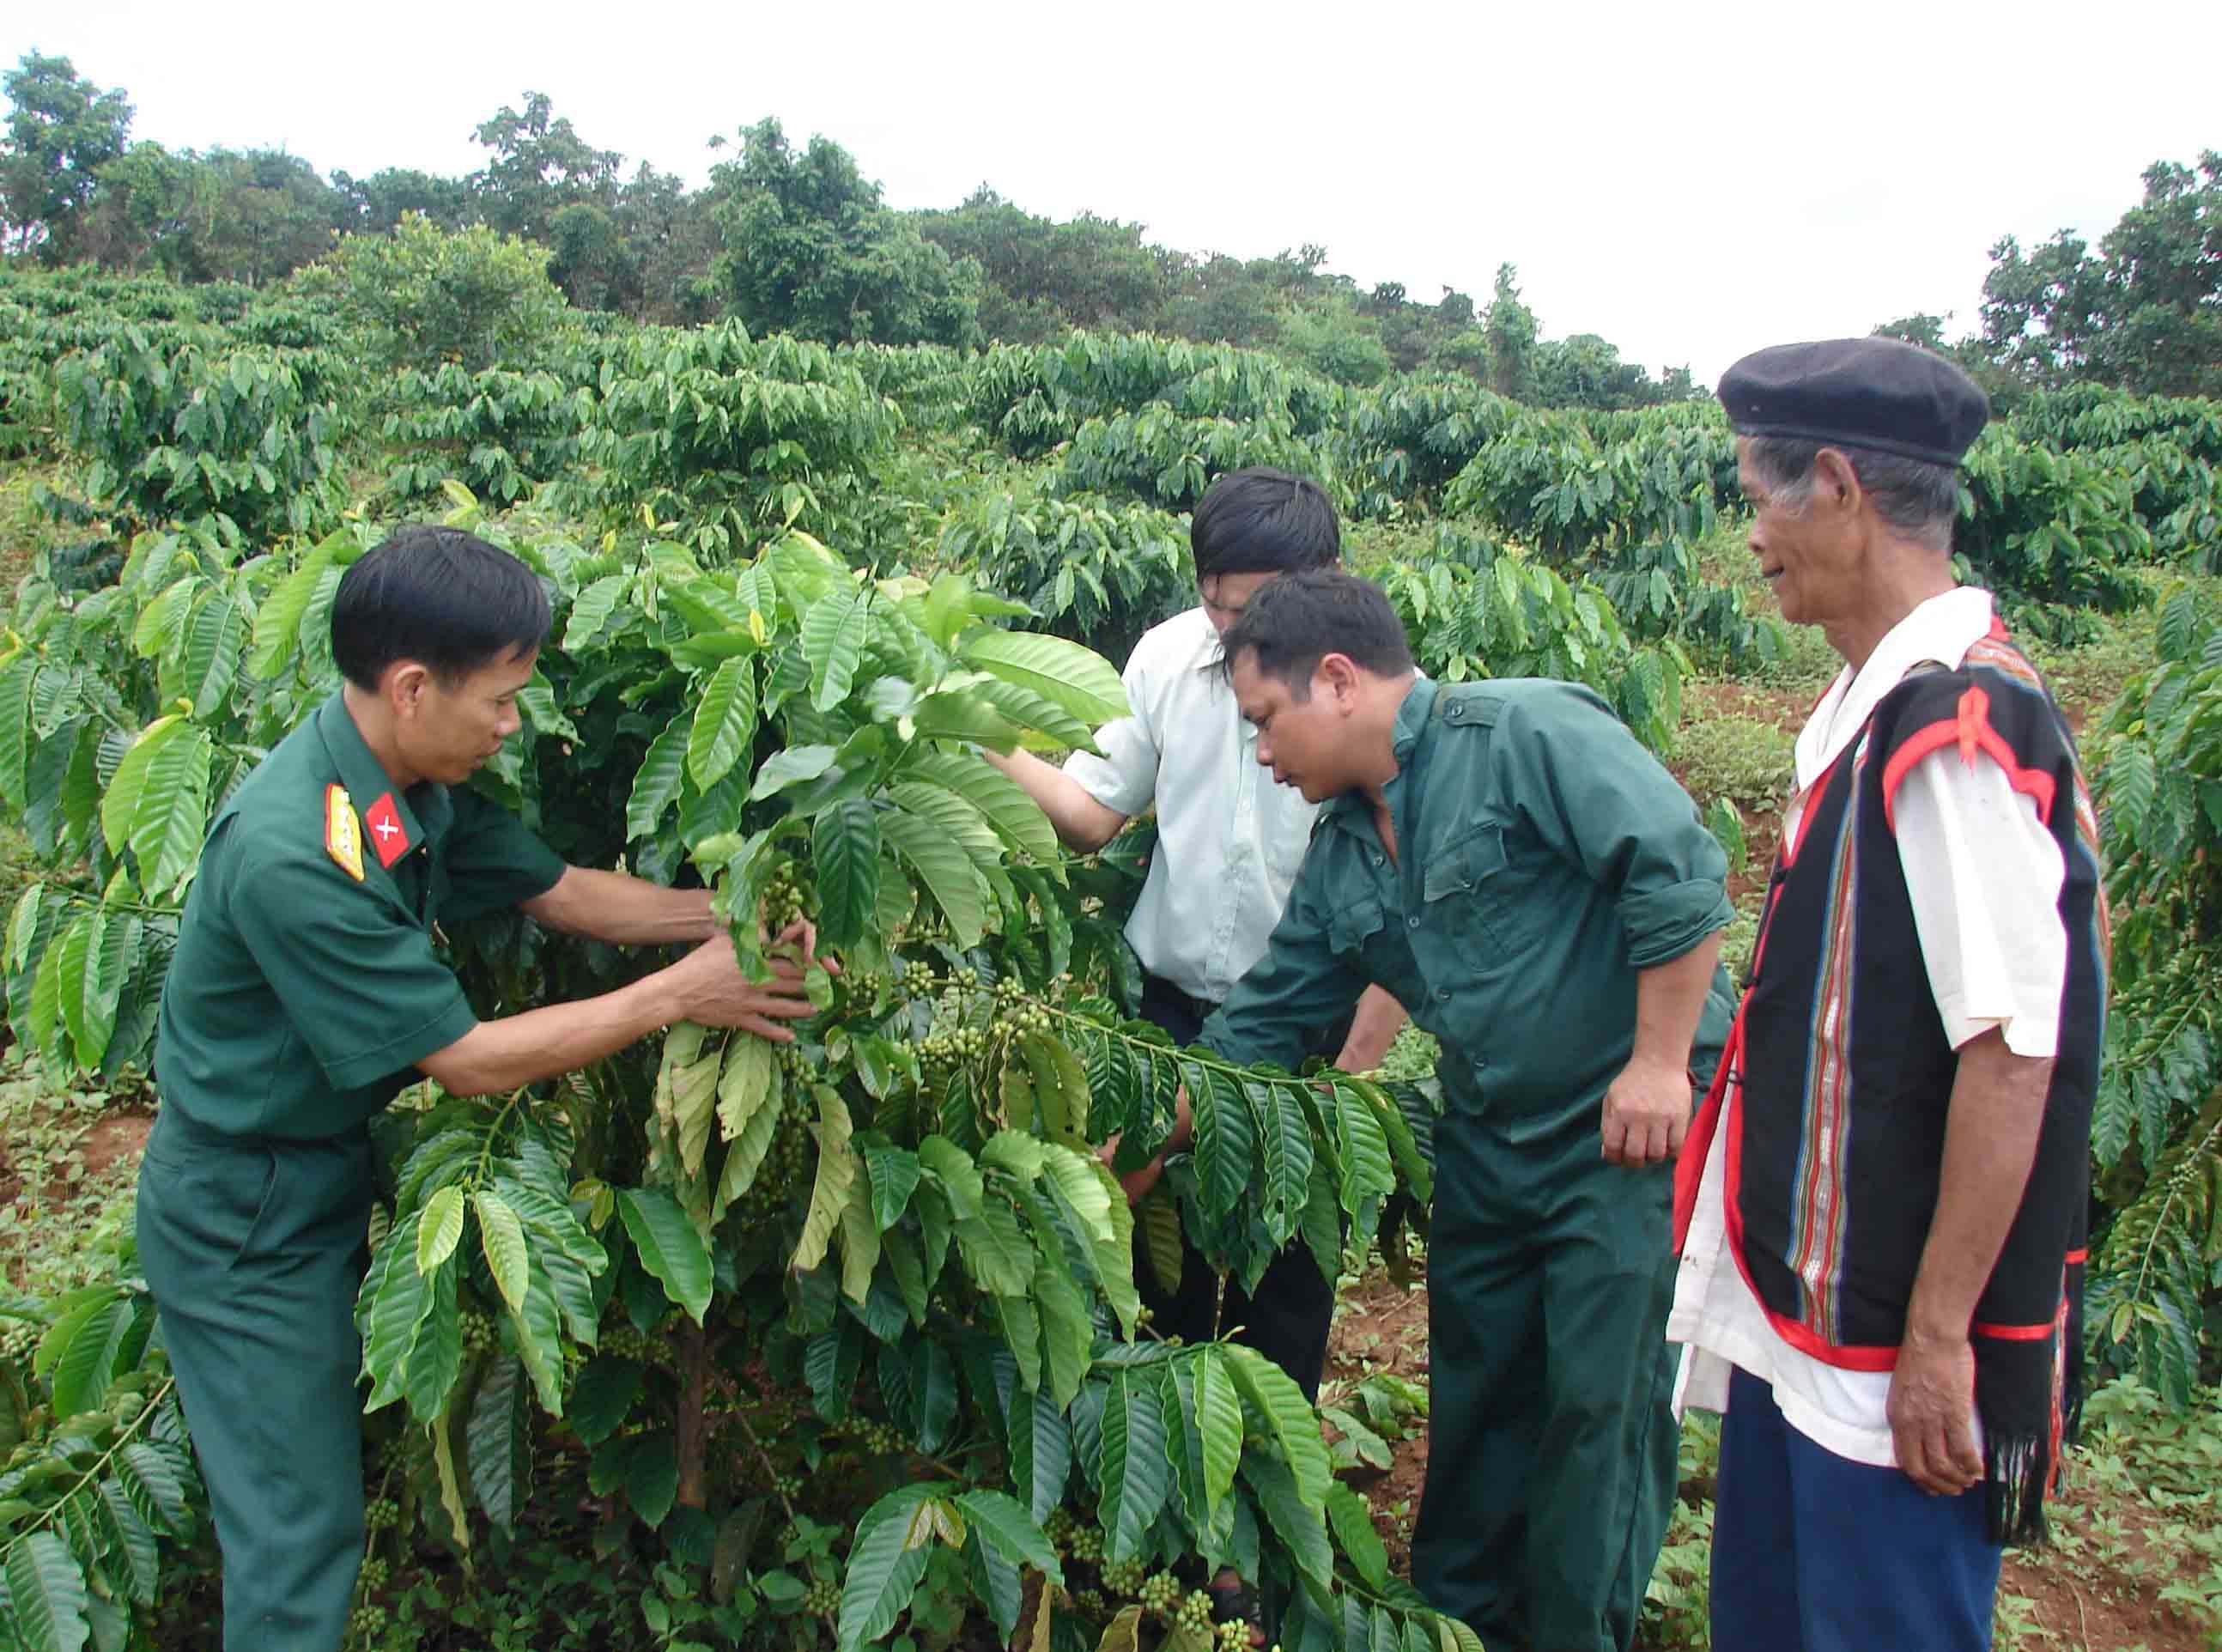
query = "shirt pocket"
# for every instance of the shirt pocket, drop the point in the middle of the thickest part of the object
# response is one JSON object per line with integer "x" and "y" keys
{"x": 1351, "y": 928}
{"x": 1474, "y": 897}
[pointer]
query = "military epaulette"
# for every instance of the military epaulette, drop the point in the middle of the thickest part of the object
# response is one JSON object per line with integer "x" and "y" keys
{"x": 1468, "y": 702}
{"x": 342, "y": 831}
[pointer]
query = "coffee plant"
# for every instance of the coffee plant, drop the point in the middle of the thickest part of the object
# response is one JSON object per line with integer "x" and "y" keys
{"x": 2157, "y": 1129}
{"x": 903, "y": 1218}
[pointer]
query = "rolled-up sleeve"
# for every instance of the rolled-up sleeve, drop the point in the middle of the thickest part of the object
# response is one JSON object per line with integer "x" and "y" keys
{"x": 1125, "y": 778}
{"x": 1300, "y": 985}
{"x": 1591, "y": 792}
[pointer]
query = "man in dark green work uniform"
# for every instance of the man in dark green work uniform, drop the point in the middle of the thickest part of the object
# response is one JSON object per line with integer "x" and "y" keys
{"x": 1537, "y": 891}
{"x": 304, "y": 994}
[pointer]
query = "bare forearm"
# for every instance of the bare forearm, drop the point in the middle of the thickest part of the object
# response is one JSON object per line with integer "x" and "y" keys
{"x": 502, "y": 1055}
{"x": 1669, "y": 999}
{"x": 1081, "y": 822}
{"x": 1990, "y": 1143}
{"x": 1373, "y": 1029}
{"x": 623, "y": 910}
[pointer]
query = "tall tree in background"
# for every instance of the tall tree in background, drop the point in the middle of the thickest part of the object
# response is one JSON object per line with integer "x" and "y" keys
{"x": 669, "y": 240}
{"x": 540, "y": 165}
{"x": 2143, "y": 313}
{"x": 809, "y": 249}
{"x": 375, "y": 203}
{"x": 1043, "y": 277}
{"x": 62, "y": 129}
{"x": 1511, "y": 330}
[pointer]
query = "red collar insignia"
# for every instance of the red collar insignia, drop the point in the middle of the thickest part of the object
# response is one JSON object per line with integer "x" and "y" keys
{"x": 387, "y": 835}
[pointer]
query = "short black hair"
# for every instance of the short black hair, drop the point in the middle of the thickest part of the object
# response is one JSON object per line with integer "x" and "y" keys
{"x": 1293, "y": 623}
{"x": 1259, "y": 520}
{"x": 439, "y": 595}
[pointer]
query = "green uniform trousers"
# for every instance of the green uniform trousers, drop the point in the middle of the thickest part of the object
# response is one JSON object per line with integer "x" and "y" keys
{"x": 254, "y": 1250}
{"x": 1552, "y": 1447}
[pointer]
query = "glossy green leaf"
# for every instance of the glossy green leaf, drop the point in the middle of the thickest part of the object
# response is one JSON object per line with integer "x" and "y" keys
{"x": 1354, "y": 1528}
{"x": 442, "y": 1229}
{"x": 845, "y": 857}
{"x": 1288, "y": 1415}
{"x": 502, "y": 1236}
{"x": 1137, "y": 1472}
{"x": 662, "y": 778}
{"x": 833, "y": 632}
{"x": 946, "y": 870}
{"x": 1011, "y": 1529}
{"x": 1077, "y": 679}
{"x": 215, "y": 638}
{"x": 499, "y": 1443}
{"x": 725, "y": 723}
{"x": 836, "y": 1182}
{"x": 668, "y": 1246}
{"x": 46, "y": 1593}
{"x": 1219, "y": 1419}
{"x": 885, "y": 1564}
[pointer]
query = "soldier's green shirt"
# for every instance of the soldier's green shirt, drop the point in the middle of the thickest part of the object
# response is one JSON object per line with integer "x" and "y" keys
{"x": 1544, "y": 858}
{"x": 300, "y": 996}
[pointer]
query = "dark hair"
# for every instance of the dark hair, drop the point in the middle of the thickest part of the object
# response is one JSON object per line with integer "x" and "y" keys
{"x": 1294, "y": 623}
{"x": 438, "y": 595}
{"x": 1263, "y": 521}
{"x": 1918, "y": 498}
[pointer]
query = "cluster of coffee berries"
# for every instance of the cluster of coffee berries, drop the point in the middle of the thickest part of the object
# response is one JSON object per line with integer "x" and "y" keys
{"x": 787, "y": 1485}
{"x": 623, "y": 1341}
{"x": 1087, "y": 1543}
{"x": 871, "y": 1436}
{"x": 789, "y": 1159}
{"x": 1016, "y": 1009}
{"x": 373, "y": 1575}
{"x": 380, "y": 1513}
{"x": 366, "y": 1623}
{"x": 919, "y": 980}
{"x": 1234, "y": 1636}
{"x": 1090, "y": 1603}
{"x": 784, "y": 899}
{"x": 1195, "y": 1613}
{"x": 1124, "y": 1577}
{"x": 942, "y": 1053}
{"x": 1161, "y": 1594}
{"x": 822, "y": 1598}
{"x": 478, "y": 1331}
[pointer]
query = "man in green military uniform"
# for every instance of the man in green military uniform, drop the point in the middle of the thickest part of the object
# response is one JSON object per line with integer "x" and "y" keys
{"x": 304, "y": 994}
{"x": 1537, "y": 891}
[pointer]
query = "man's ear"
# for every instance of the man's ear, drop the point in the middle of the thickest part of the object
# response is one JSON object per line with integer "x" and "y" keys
{"x": 406, "y": 683}
{"x": 1836, "y": 482}
{"x": 1339, "y": 675}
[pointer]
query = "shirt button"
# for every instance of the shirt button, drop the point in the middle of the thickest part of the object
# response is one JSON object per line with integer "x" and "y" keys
{"x": 1412, "y": 922}
{"x": 1377, "y": 860}
{"x": 1442, "y": 994}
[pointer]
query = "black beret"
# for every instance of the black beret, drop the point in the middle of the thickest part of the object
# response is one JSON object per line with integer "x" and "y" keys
{"x": 1866, "y": 392}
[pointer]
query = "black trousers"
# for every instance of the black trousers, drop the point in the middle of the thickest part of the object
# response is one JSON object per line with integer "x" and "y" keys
{"x": 1286, "y": 1319}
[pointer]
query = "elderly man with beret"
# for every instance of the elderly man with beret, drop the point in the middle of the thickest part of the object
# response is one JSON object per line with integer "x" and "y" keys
{"x": 1879, "y": 1208}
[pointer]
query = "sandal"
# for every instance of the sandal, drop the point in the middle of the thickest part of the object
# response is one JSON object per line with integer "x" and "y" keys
{"x": 1237, "y": 1602}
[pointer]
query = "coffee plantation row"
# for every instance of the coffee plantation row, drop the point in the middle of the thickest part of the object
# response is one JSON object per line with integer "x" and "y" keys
{"x": 851, "y": 1327}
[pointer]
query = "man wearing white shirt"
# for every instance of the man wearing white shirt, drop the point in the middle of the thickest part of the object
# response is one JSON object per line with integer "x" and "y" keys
{"x": 1881, "y": 1208}
{"x": 1229, "y": 842}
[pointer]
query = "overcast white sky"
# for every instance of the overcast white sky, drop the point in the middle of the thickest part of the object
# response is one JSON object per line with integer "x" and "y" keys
{"x": 1689, "y": 181}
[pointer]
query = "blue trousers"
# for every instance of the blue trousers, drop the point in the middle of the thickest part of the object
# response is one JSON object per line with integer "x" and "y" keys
{"x": 1814, "y": 1553}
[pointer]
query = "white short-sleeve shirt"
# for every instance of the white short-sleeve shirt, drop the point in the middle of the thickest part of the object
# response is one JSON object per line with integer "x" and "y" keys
{"x": 1984, "y": 874}
{"x": 1229, "y": 836}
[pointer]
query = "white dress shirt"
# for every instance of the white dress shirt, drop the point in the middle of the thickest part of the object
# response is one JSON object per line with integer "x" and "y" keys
{"x": 1984, "y": 873}
{"x": 1229, "y": 837}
